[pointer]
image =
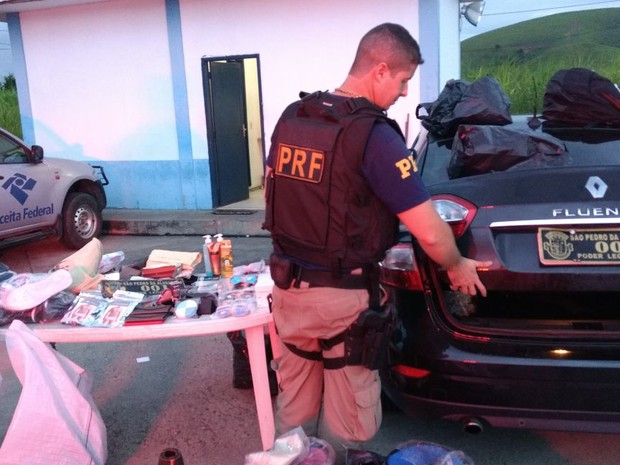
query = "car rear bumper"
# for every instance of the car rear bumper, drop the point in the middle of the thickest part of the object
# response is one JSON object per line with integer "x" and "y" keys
{"x": 474, "y": 416}
{"x": 516, "y": 382}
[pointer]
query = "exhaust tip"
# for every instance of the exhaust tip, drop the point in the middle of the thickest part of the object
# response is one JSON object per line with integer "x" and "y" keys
{"x": 473, "y": 426}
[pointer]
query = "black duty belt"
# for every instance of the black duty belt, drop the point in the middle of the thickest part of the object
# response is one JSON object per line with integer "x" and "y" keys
{"x": 320, "y": 278}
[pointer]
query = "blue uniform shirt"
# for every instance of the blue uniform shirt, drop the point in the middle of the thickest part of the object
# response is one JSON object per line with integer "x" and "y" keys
{"x": 391, "y": 170}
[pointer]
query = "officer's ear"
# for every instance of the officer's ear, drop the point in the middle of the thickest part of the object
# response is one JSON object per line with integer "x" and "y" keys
{"x": 381, "y": 71}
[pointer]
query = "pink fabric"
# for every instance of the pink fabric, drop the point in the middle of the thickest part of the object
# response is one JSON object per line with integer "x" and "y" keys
{"x": 56, "y": 420}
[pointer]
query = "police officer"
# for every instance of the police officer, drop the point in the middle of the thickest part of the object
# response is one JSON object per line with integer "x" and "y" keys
{"x": 339, "y": 178}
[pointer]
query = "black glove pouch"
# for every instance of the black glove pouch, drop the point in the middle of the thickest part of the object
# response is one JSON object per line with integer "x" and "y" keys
{"x": 281, "y": 271}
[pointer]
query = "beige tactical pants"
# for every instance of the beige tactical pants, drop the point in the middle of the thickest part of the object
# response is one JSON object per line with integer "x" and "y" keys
{"x": 340, "y": 406}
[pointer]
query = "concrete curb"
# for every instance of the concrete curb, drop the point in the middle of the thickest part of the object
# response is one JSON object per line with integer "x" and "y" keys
{"x": 246, "y": 223}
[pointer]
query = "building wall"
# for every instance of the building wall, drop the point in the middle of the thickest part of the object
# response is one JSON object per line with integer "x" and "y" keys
{"x": 107, "y": 98}
{"x": 119, "y": 83}
{"x": 440, "y": 40}
{"x": 302, "y": 46}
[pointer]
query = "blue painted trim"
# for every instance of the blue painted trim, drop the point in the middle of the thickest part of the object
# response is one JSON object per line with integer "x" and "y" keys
{"x": 189, "y": 190}
{"x": 157, "y": 185}
{"x": 21, "y": 77}
{"x": 179, "y": 84}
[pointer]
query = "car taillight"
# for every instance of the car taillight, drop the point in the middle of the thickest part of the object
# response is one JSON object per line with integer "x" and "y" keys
{"x": 399, "y": 269}
{"x": 458, "y": 213}
{"x": 410, "y": 372}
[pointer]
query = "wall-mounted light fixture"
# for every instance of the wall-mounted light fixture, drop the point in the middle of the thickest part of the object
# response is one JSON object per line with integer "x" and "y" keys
{"x": 472, "y": 12}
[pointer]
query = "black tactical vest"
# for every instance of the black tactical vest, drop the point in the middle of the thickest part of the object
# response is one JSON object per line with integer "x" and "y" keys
{"x": 320, "y": 209}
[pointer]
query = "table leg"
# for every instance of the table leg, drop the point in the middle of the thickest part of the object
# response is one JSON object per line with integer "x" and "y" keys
{"x": 275, "y": 341}
{"x": 260, "y": 380}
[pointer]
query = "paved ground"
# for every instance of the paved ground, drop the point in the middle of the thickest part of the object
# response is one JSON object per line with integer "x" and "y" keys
{"x": 228, "y": 221}
{"x": 183, "y": 396}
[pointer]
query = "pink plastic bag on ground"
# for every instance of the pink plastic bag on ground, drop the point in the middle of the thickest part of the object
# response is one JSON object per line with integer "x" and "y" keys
{"x": 56, "y": 420}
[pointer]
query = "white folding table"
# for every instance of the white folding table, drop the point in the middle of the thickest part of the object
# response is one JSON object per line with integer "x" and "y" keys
{"x": 253, "y": 325}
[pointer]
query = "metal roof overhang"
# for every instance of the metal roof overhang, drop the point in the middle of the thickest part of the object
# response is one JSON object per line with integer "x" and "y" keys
{"x": 16, "y": 6}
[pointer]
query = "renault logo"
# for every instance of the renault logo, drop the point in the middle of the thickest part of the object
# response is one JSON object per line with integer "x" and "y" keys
{"x": 596, "y": 187}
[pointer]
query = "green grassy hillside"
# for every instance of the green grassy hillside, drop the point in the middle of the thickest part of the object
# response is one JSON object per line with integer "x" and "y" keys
{"x": 9, "y": 109}
{"x": 525, "y": 55}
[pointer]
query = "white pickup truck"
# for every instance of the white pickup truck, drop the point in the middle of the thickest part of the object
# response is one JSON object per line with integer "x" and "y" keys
{"x": 47, "y": 197}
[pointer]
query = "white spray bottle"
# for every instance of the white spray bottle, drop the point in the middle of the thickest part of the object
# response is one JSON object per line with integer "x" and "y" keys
{"x": 205, "y": 255}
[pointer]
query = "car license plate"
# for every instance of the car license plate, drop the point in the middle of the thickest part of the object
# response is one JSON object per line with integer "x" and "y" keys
{"x": 579, "y": 246}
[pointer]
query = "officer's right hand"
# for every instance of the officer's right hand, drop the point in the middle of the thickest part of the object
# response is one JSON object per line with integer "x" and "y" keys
{"x": 464, "y": 277}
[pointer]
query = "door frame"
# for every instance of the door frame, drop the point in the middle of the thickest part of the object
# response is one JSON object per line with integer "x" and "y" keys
{"x": 210, "y": 121}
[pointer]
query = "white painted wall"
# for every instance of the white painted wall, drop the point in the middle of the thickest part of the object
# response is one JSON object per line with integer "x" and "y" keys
{"x": 100, "y": 81}
{"x": 302, "y": 46}
{"x": 441, "y": 46}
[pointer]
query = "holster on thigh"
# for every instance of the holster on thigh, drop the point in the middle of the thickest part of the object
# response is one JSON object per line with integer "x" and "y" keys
{"x": 365, "y": 341}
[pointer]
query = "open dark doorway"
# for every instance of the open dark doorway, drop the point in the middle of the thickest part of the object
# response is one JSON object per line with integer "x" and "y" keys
{"x": 234, "y": 126}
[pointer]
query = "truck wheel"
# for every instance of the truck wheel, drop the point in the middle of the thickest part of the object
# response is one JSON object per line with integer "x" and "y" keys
{"x": 81, "y": 220}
